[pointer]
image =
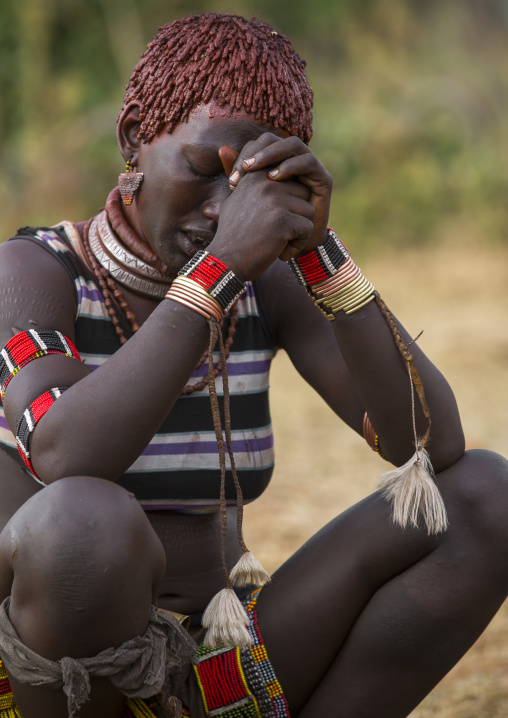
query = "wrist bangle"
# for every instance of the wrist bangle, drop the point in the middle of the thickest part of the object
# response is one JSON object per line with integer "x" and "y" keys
{"x": 191, "y": 294}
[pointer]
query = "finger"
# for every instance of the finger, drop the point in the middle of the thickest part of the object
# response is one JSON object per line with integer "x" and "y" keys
{"x": 293, "y": 249}
{"x": 238, "y": 170}
{"x": 301, "y": 230}
{"x": 308, "y": 170}
{"x": 228, "y": 157}
{"x": 294, "y": 189}
{"x": 275, "y": 153}
{"x": 300, "y": 208}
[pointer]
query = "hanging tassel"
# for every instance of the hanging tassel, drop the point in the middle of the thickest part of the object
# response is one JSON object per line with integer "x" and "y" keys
{"x": 226, "y": 621}
{"x": 412, "y": 490}
{"x": 225, "y": 617}
{"x": 248, "y": 572}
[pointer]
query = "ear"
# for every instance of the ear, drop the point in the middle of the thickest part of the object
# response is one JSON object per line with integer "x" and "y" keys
{"x": 127, "y": 132}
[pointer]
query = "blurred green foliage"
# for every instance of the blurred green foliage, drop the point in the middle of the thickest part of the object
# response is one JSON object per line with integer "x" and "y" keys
{"x": 410, "y": 105}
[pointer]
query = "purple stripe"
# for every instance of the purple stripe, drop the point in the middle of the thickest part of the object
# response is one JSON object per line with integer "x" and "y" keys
{"x": 51, "y": 238}
{"x": 94, "y": 295}
{"x": 208, "y": 447}
{"x": 3, "y": 423}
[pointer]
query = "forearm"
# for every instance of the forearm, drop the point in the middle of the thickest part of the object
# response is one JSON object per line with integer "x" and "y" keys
{"x": 382, "y": 381}
{"x": 102, "y": 423}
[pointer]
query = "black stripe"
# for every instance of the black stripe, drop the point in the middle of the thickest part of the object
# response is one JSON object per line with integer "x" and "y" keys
{"x": 198, "y": 484}
{"x": 193, "y": 413}
{"x": 92, "y": 333}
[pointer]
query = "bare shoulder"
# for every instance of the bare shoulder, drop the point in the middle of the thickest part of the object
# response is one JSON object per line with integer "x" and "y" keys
{"x": 35, "y": 290}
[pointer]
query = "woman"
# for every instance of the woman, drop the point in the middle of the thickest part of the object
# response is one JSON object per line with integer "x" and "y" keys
{"x": 368, "y": 616}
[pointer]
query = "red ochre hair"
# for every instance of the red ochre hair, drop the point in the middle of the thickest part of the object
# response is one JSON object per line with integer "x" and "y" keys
{"x": 225, "y": 59}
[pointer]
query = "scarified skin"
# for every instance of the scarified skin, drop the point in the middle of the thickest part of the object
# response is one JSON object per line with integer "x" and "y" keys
{"x": 37, "y": 301}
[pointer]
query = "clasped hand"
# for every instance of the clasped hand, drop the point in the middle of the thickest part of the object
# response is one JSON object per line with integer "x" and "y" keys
{"x": 279, "y": 205}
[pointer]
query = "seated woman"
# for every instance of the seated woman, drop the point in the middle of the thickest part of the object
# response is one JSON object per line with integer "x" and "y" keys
{"x": 121, "y": 496}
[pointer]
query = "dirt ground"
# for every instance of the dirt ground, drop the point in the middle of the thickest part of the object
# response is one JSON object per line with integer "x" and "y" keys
{"x": 457, "y": 295}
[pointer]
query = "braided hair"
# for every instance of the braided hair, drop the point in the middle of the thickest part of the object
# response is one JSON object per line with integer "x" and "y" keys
{"x": 224, "y": 59}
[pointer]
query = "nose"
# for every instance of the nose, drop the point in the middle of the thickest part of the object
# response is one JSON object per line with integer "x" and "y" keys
{"x": 213, "y": 204}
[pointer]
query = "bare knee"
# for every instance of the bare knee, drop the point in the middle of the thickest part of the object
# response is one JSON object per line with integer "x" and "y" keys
{"x": 85, "y": 564}
{"x": 475, "y": 490}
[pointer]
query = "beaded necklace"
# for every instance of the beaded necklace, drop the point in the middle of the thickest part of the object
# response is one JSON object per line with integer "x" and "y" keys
{"x": 113, "y": 295}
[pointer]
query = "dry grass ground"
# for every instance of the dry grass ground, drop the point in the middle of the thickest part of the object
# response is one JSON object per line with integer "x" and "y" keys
{"x": 458, "y": 296}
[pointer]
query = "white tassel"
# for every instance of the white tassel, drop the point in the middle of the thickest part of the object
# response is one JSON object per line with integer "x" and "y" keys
{"x": 411, "y": 489}
{"x": 248, "y": 572}
{"x": 226, "y": 621}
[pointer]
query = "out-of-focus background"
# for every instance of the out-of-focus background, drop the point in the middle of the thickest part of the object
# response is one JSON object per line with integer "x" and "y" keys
{"x": 410, "y": 106}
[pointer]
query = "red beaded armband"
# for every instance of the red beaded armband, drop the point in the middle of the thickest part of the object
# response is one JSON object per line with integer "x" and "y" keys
{"x": 215, "y": 277}
{"x": 24, "y": 347}
{"x": 30, "y": 419}
{"x": 322, "y": 263}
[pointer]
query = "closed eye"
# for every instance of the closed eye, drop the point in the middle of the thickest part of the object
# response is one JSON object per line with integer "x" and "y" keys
{"x": 202, "y": 177}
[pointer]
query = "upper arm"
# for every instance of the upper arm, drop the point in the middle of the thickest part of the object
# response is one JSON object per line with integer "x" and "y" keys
{"x": 35, "y": 292}
{"x": 299, "y": 327}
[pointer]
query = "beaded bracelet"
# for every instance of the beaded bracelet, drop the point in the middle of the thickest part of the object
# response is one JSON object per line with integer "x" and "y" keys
{"x": 322, "y": 263}
{"x": 24, "y": 347}
{"x": 215, "y": 277}
{"x": 30, "y": 419}
{"x": 332, "y": 279}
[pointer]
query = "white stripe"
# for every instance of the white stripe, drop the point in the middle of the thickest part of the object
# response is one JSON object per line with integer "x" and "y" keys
{"x": 22, "y": 448}
{"x": 37, "y": 339}
{"x": 10, "y": 366}
{"x": 191, "y": 462}
{"x": 64, "y": 342}
{"x": 248, "y": 435}
{"x": 327, "y": 261}
{"x": 28, "y": 418}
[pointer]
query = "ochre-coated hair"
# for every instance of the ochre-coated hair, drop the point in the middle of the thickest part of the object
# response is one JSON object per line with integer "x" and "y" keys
{"x": 234, "y": 62}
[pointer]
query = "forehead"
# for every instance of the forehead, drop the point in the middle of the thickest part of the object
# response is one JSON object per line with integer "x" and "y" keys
{"x": 211, "y": 127}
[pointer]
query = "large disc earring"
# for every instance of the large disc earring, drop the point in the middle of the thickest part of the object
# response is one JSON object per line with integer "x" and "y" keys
{"x": 128, "y": 182}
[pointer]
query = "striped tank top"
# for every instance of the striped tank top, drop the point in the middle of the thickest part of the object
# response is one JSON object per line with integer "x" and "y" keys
{"x": 180, "y": 466}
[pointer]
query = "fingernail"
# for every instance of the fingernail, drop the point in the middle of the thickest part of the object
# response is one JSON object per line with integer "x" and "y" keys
{"x": 233, "y": 178}
{"x": 249, "y": 162}
{"x": 273, "y": 173}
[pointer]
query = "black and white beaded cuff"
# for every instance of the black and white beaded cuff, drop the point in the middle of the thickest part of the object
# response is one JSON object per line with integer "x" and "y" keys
{"x": 322, "y": 263}
{"x": 215, "y": 277}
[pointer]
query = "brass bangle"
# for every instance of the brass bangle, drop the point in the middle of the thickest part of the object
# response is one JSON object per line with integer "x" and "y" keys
{"x": 195, "y": 299}
{"x": 359, "y": 297}
{"x": 343, "y": 271}
{"x": 180, "y": 279}
{"x": 179, "y": 300}
{"x": 348, "y": 290}
{"x": 336, "y": 302}
{"x": 338, "y": 282}
{"x": 363, "y": 304}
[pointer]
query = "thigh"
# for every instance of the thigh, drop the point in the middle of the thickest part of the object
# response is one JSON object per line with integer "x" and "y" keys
{"x": 82, "y": 566}
{"x": 361, "y": 573}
